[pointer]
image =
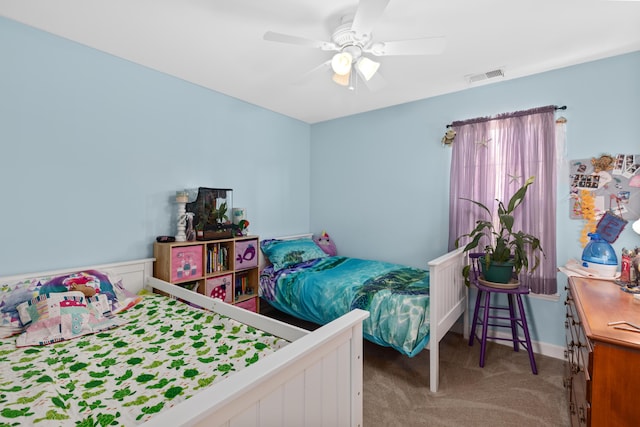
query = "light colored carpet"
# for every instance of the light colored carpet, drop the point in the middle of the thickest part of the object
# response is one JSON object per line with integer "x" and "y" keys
{"x": 503, "y": 393}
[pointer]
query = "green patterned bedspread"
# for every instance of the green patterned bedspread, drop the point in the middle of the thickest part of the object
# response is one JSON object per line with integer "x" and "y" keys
{"x": 167, "y": 352}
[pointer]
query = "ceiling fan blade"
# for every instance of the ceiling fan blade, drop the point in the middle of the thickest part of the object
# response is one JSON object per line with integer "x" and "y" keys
{"x": 367, "y": 15}
{"x": 300, "y": 41}
{"x": 425, "y": 46}
{"x": 324, "y": 67}
{"x": 375, "y": 83}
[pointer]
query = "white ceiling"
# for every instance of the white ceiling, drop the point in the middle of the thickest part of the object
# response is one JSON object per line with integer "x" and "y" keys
{"x": 218, "y": 44}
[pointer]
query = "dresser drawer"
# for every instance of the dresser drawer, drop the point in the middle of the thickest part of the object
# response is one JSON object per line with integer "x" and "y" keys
{"x": 580, "y": 407}
{"x": 579, "y": 368}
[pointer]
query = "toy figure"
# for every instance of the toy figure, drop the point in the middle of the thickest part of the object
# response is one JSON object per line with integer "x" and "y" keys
{"x": 191, "y": 232}
{"x": 242, "y": 229}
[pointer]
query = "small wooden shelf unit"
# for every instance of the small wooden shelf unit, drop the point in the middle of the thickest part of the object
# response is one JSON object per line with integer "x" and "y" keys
{"x": 222, "y": 268}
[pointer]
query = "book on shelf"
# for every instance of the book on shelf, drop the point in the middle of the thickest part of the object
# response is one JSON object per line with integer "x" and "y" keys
{"x": 241, "y": 284}
{"x": 217, "y": 258}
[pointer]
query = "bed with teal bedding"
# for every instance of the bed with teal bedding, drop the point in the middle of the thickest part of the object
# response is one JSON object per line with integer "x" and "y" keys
{"x": 163, "y": 353}
{"x": 323, "y": 288}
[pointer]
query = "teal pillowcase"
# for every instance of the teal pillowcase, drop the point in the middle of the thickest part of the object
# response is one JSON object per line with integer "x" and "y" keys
{"x": 287, "y": 253}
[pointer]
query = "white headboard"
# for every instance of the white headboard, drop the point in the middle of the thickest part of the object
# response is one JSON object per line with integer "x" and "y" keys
{"x": 133, "y": 273}
{"x": 264, "y": 262}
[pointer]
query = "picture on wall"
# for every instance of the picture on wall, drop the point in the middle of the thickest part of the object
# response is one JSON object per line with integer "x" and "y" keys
{"x": 612, "y": 181}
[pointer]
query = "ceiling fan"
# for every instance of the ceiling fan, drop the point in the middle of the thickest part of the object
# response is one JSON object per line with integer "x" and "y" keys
{"x": 353, "y": 40}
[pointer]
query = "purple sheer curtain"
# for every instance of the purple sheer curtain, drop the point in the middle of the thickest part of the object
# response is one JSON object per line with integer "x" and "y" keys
{"x": 491, "y": 159}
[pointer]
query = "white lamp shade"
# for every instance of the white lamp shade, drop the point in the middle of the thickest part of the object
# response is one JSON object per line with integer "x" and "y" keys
{"x": 367, "y": 67}
{"x": 341, "y": 79}
{"x": 341, "y": 63}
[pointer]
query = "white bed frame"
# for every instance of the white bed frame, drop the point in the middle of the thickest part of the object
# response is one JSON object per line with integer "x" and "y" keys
{"x": 448, "y": 299}
{"x": 314, "y": 381}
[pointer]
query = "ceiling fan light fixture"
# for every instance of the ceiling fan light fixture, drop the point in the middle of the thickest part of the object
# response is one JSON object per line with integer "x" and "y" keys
{"x": 341, "y": 63}
{"x": 341, "y": 79}
{"x": 367, "y": 67}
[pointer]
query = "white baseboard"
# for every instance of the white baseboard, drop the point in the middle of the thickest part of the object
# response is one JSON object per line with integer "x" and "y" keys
{"x": 545, "y": 349}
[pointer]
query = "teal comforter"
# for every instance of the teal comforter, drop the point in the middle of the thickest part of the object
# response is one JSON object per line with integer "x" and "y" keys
{"x": 322, "y": 290}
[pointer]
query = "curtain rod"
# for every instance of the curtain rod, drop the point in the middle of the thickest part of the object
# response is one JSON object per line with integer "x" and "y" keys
{"x": 555, "y": 107}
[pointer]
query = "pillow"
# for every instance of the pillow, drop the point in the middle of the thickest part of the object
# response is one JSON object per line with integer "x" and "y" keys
{"x": 16, "y": 293}
{"x": 125, "y": 299}
{"x": 99, "y": 281}
{"x": 56, "y": 317}
{"x": 12, "y": 295}
{"x": 89, "y": 278}
{"x": 286, "y": 253}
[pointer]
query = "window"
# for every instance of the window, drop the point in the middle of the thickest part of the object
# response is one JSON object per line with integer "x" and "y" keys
{"x": 492, "y": 157}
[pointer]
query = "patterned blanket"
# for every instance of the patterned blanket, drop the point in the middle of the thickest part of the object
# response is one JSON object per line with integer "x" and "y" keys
{"x": 324, "y": 289}
{"x": 165, "y": 353}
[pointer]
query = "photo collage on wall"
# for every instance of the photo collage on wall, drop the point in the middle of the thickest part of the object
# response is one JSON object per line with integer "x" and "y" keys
{"x": 612, "y": 184}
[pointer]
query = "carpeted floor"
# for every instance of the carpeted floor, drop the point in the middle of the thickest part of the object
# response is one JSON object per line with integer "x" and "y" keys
{"x": 503, "y": 393}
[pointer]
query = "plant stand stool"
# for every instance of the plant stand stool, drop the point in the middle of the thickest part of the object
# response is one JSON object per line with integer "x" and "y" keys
{"x": 491, "y": 317}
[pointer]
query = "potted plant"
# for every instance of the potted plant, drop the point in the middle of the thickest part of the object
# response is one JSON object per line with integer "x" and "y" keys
{"x": 200, "y": 230}
{"x": 507, "y": 247}
{"x": 220, "y": 214}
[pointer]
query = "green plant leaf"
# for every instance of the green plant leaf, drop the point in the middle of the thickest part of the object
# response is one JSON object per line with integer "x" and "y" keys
{"x": 518, "y": 196}
{"x": 504, "y": 244}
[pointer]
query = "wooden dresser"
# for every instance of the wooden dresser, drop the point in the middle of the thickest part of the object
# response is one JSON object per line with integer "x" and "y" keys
{"x": 603, "y": 363}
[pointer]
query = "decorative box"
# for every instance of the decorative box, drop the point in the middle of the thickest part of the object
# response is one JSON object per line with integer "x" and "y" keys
{"x": 186, "y": 263}
{"x": 246, "y": 254}
{"x": 249, "y": 304}
{"x": 212, "y": 213}
{"x": 220, "y": 287}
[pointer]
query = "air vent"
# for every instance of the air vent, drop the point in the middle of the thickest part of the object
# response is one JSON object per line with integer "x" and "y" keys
{"x": 474, "y": 78}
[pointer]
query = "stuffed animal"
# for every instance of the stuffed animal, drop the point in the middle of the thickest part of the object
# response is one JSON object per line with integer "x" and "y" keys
{"x": 88, "y": 291}
{"x": 603, "y": 163}
{"x": 448, "y": 137}
{"x": 326, "y": 244}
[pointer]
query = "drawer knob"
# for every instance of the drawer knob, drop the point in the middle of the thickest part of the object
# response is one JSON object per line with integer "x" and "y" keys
{"x": 581, "y": 415}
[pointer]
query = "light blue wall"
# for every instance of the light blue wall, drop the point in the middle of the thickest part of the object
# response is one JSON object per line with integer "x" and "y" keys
{"x": 93, "y": 148}
{"x": 380, "y": 180}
